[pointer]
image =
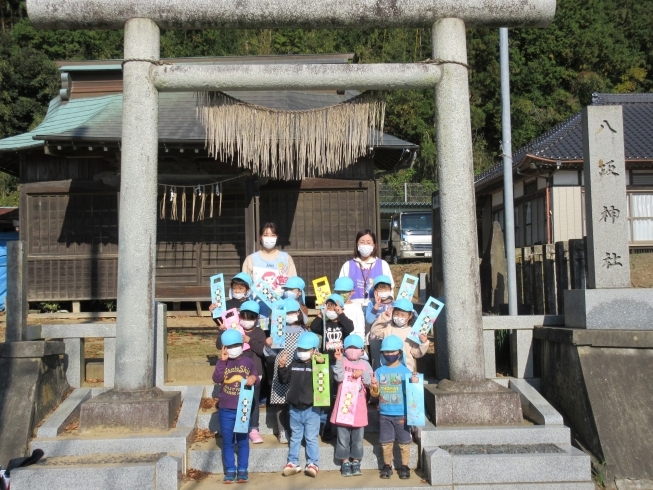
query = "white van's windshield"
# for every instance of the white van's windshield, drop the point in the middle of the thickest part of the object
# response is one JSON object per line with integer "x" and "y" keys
{"x": 418, "y": 221}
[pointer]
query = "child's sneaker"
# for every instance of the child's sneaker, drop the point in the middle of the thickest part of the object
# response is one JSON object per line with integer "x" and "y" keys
{"x": 404, "y": 473}
{"x": 255, "y": 437}
{"x": 229, "y": 477}
{"x": 356, "y": 468}
{"x": 282, "y": 438}
{"x": 345, "y": 469}
{"x": 242, "y": 476}
{"x": 311, "y": 470}
{"x": 291, "y": 469}
{"x": 386, "y": 472}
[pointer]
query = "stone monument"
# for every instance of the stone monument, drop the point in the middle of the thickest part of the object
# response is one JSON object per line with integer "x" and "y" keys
{"x": 608, "y": 302}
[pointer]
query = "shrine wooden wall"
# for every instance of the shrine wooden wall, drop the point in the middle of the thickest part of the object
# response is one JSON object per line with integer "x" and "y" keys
{"x": 70, "y": 224}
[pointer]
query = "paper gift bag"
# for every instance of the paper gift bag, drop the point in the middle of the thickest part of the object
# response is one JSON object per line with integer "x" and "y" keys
{"x": 278, "y": 327}
{"x": 266, "y": 293}
{"x": 321, "y": 391}
{"x": 322, "y": 290}
{"x": 218, "y": 295}
{"x": 415, "y": 401}
{"x": 244, "y": 409}
{"x": 231, "y": 320}
{"x": 424, "y": 322}
{"x": 408, "y": 286}
{"x": 346, "y": 409}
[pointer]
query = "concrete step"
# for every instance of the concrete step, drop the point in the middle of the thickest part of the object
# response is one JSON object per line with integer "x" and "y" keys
{"x": 505, "y": 434}
{"x": 172, "y": 442}
{"x": 271, "y": 457}
{"x": 208, "y": 419}
{"x": 101, "y": 472}
{"x": 325, "y": 480}
{"x": 445, "y": 467}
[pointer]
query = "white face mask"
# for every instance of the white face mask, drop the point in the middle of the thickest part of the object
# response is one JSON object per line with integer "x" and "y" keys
{"x": 238, "y": 295}
{"x": 385, "y": 295}
{"x": 331, "y": 315}
{"x": 365, "y": 250}
{"x": 399, "y": 321}
{"x": 234, "y": 351}
{"x": 290, "y": 294}
{"x": 292, "y": 318}
{"x": 303, "y": 355}
{"x": 247, "y": 324}
{"x": 269, "y": 242}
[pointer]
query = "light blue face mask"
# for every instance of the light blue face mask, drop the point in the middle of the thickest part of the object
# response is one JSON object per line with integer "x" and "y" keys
{"x": 290, "y": 294}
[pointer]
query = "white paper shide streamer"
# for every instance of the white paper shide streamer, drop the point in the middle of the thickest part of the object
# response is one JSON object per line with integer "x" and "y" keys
{"x": 290, "y": 145}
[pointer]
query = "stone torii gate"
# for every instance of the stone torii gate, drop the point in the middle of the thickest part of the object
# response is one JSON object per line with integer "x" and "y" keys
{"x": 144, "y": 77}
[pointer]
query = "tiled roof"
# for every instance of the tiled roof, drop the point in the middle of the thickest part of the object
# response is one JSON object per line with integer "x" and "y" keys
{"x": 564, "y": 142}
{"x": 178, "y": 121}
{"x": 59, "y": 118}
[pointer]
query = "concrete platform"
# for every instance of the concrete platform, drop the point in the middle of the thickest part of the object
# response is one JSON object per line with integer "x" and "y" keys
{"x": 502, "y": 434}
{"x": 270, "y": 457}
{"x": 105, "y": 472}
{"x": 609, "y": 309}
{"x": 445, "y": 468}
{"x": 483, "y": 403}
{"x": 173, "y": 441}
{"x": 138, "y": 410}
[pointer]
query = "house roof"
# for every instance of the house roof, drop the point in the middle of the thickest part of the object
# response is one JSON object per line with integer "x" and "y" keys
{"x": 59, "y": 118}
{"x": 90, "y": 118}
{"x": 178, "y": 122}
{"x": 564, "y": 142}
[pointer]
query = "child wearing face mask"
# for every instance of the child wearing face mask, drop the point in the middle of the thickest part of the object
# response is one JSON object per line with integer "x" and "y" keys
{"x": 295, "y": 327}
{"x": 294, "y": 289}
{"x": 344, "y": 286}
{"x": 396, "y": 320}
{"x": 304, "y": 417}
{"x": 334, "y": 329}
{"x": 230, "y": 370}
{"x": 239, "y": 292}
{"x": 380, "y": 301}
{"x": 349, "y": 444}
{"x": 255, "y": 337}
{"x": 388, "y": 385}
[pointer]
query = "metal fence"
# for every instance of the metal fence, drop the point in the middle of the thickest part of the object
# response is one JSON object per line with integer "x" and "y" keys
{"x": 405, "y": 193}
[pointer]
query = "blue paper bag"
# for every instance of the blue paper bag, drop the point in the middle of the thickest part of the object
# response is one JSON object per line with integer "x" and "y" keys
{"x": 218, "y": 295}
{"x": 266, "y": 293}
{"x": 415, "y": 401}
{"x": 244, "y": 409}
{"x": 408, "y": 286}
{"x": 426, "y": 319}
{"x": 278, "y": 327}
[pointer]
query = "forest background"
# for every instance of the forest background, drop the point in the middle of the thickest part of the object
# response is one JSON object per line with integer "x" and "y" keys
{"x": 592, "y": 46}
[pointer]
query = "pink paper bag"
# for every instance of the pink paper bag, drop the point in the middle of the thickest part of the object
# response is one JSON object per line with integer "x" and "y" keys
{"x": 348, "y": 400}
